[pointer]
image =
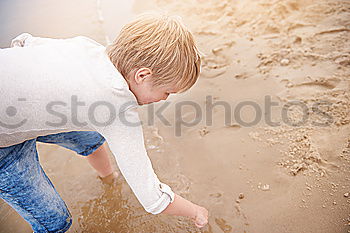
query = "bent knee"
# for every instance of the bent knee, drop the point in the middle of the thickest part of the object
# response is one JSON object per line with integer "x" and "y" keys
{"x": 67, "y": 225}
{"x": 60, "y": 223}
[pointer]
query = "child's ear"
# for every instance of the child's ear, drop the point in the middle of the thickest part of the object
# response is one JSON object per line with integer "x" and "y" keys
{"x": 141, "y": 75}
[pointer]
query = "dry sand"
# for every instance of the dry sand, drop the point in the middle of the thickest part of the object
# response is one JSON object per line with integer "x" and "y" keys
{"x": 252, "y": 179}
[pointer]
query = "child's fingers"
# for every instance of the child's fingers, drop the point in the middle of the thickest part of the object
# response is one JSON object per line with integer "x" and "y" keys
{"x": 199, "y": 225}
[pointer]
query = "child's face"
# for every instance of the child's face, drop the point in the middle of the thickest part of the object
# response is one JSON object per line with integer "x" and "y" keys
{"x": 141, "y": 85}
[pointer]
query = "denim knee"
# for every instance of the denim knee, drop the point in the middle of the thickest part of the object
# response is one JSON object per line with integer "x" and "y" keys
{"x": 55, "y": 224}
{"x": 64, "y": 224}
{"x": 61, "y": 224}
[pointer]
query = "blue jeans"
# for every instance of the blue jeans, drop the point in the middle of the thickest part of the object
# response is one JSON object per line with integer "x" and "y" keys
{"x": 25, "y": 186}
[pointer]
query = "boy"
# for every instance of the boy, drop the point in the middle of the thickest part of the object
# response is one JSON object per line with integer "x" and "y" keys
{"x": 75, "y": 93}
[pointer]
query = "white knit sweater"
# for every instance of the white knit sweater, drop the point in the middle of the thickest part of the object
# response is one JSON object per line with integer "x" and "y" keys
{"x": 58, "y": 85}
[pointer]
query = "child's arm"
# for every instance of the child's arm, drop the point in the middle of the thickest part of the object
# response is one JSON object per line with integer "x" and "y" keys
{"x": 183, "y": 207}
{"x": 125, "y": 139}
{"x": 100, "y": 161}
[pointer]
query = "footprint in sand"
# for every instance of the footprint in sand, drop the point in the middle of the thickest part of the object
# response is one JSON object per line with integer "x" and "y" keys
{"x": 321, "y": 83}
{"x": 212, "y": 73}
{"x": 307, "y": 89}
{"x": 217, "y": 61}
{"x": 223, "y": 225}
{"x": 234, "y": 126}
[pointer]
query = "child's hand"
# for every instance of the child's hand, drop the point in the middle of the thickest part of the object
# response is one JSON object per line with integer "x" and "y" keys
{"x": 201, "y": 216}
{"x": 182, "y": 207}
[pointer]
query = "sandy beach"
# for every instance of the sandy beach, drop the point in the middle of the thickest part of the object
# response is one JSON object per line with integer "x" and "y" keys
{"x": 263, "y": 138}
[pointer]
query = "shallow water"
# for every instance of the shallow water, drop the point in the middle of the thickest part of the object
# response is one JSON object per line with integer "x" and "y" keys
{"x": 213, "y": 165}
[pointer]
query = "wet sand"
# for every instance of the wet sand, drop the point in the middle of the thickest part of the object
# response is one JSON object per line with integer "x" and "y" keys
{"x": 256, "y": 178}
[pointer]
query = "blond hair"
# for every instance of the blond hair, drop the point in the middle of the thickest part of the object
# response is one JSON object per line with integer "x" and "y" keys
{"x": 161, "y": 43}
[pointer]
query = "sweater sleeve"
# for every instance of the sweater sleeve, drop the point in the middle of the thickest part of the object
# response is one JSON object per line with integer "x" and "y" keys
{"x": 126, "y": 142}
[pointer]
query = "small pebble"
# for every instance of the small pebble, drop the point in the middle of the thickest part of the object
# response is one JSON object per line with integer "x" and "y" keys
{"x": 289, "y": 85}
{"x": 285, "y": 61}
{"x": 241, "y": 196}
{"x": 265, "y": 187}
{"x": 346, "y": 194}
